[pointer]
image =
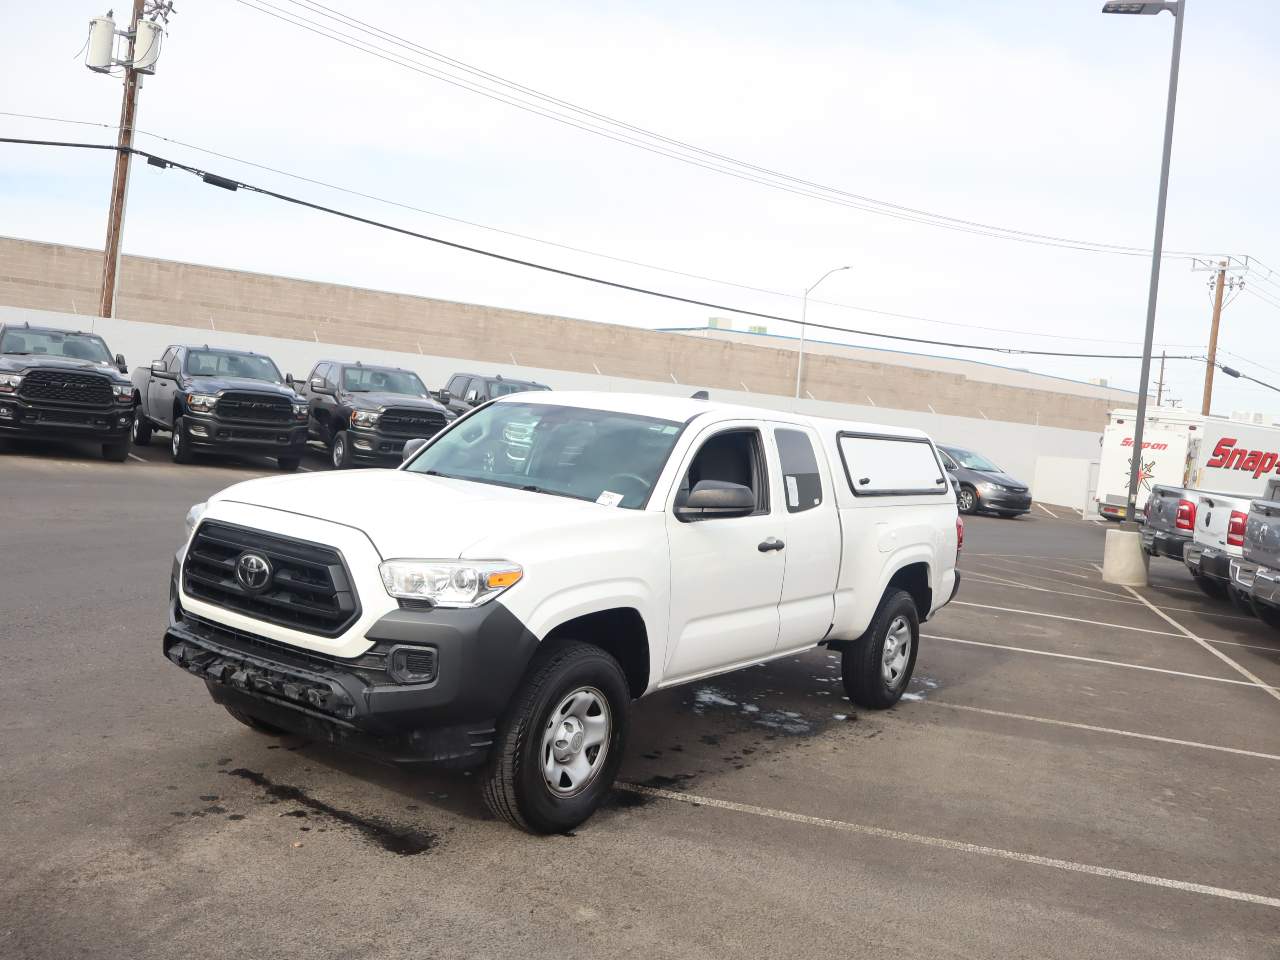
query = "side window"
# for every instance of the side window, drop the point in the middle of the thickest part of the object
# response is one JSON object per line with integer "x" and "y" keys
{"x": 475, "y": 391}
{"x": 801, "y": 480}
{"x": 947, "y": 461}
{"x": 167, "y": 358}
{"x": 457, "y": 386}
{"x": 175, "y": 360}
{"x": 332, "y": 374}
{"x": 878, "y": 466}
{"x": 317, "y": 373}
{"x": 735, "y": 456}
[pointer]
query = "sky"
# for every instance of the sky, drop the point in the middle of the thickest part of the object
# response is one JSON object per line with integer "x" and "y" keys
{"x": 1037, "y": 115}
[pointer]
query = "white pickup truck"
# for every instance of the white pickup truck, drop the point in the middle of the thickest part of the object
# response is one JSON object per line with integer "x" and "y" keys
{"x": 504, "y": 595}
{"x": 1218, "y": 521}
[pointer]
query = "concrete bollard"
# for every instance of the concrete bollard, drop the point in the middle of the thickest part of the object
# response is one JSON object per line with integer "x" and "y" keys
{"x": 1124, "y": 562}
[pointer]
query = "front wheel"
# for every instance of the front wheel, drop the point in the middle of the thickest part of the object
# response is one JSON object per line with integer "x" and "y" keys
{"x": 180, "y": 443}
{"x": 141, "y": 430}
{"x": 341, "y": 451}
{"x": 967, "y": 498}
{"x": 116, "y": 452}
{"x": 877, "y": 666}
{"x": 560, "y": 744}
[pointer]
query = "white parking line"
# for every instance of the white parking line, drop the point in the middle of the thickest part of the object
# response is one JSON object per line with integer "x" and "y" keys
{"x": 1031, "y": 556}
{"x": 1058, "y": 616}
{"x": 134, "y": 456}
{"x": 1044, "y": 567}
{"x": 1082, "y": 586}
{"x": 991, "y": 581}
{"x": 1048, "y": 511}
{"x": 1204, "y": 643}
{"x": 1109, "y": 663}
{"x": 1090, "y": 727}
{"x": 954, "y": 845}
{"x": 306, "y": 469}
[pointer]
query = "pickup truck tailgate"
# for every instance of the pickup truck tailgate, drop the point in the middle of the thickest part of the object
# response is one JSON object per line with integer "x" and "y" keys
{"x": 1262, "y": 534}
{"x": 1220, "y": 522}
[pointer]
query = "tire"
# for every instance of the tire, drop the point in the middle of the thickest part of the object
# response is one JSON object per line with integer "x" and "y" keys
{"x": 868, "y": 680}
{"x": 116, "y": 452}
{"x": 567, "y": 683}
{"x": 180, "y": 443}
{"x": 1211, "y": 587}
{"x": 967, "y": 499}
{"x": 1267, "y": 614}
{"x": 253, "y": 723}
{"x": 288, "y": 464}
{"x": 141, "y": 431}
{"x": 340, "y": 451}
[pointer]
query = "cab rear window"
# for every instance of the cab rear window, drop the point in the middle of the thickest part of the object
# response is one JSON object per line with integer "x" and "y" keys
{"x": 885, "y": 466}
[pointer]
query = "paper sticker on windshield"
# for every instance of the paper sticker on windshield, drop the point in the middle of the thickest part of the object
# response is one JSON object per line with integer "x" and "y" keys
{"x": 609, "y": 498}
{"x": 793, "y": 491}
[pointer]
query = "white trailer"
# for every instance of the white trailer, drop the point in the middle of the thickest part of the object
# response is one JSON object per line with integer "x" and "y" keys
{"x": 1182, "y": 449}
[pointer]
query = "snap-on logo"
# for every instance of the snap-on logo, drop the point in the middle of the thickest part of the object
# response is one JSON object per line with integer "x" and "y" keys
{"x": 1155, "y": 445}
{"x": 1227, "y": 456}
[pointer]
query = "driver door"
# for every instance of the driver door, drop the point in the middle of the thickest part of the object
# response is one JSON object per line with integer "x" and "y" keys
{"x": 725, "y": 589}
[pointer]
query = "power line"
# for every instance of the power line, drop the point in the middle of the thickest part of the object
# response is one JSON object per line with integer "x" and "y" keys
{"x": 595, "y": 253}
{"x": 631, "y": 135}
{"x": 229, "y": 183}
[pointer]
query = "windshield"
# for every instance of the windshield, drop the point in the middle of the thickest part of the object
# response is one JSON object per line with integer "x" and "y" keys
{"x": 611, "y": 458}
{"x": 501, "y": 388}
{"x": 213, "y": 363}
{"x": 972, "y": 461}
{"x": 54, "y": 343}
{"x": 382, "y": 380}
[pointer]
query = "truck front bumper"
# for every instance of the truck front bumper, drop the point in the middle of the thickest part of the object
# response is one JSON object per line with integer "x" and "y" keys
{"x": 479, "y": 657}
{"x": 370, "y": 446}
{"x": 1160, "y": 543}
{"x": 20, "y": 418}
{"x": 210, "y": 435}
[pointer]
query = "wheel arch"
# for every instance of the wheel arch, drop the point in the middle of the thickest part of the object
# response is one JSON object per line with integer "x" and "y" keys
{"x": 619, "y": 631}
{"x": 915, "y": 578}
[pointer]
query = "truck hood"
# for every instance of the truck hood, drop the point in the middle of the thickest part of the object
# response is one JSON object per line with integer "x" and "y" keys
{"x": 382, "y": 401}
{"x": 411, "y": 514}
{"x": 16, "y": 363}
{"x": 216, "y": 384}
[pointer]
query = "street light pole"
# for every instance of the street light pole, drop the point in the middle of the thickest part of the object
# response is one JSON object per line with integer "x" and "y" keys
{"x": 1178, "y": 9}
{"x": 804, "y": 310}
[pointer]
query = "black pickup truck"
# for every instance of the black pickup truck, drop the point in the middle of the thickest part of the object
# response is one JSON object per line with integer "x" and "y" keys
{"x": 220, "y": 401}
{"x": 63, "y": 384}
{"x": 364, "y": 414}
{"x": 467, "y": 390}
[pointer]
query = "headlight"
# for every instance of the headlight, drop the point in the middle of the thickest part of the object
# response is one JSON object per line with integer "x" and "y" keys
{"x": 361, "y": 419}
{"x": 449, "y": 583}
{"x": 300, "y": 411}
{"x": 123, "y": 392}
{"x": 10, "y": 382}
{"x": 201, "y": 403}
{"x": 193, "y": 517}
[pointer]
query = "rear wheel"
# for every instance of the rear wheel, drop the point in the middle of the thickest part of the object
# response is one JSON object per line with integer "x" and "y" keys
{"x": 254, "y": 723}
{"x": 141, "y": 430}
{"x": 560, "y": 744}
{"x": 341, "y": 452}
{"x": 116, "y": 452}
{"x": 967, "y": 498}
{"x": 876, "y": 667}
{"x": 1211, "y": 587}
{"x": 180, "y": 443}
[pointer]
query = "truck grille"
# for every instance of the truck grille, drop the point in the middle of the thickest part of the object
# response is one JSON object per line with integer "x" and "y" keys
{"x": 307, "y": 589}
{"x": 411, "y": 423}
{"x": 85, "y": 389}
{"x": 254, "y": 408}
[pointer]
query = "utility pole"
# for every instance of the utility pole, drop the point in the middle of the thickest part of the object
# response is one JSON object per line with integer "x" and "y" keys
{"x": 1213, "y": 337}
{"x": 1160, "y": 382}
{"x": 120, "y": 180}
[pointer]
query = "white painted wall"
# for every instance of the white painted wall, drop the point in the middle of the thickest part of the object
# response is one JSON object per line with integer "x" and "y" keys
{"x": 1064, "y": 480}
{"x": 1014, "y": 446}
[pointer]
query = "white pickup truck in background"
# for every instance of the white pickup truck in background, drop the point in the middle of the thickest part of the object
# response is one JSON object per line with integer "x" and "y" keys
{"x": 547, "y": 559}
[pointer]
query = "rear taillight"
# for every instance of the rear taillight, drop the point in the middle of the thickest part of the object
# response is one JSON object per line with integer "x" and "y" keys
{"x": 1185, "y": 519}
{"x": 1235, "y": 528}
{"x": 959, "y": 535}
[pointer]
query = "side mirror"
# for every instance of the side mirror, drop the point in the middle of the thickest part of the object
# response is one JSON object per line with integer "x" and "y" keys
{"x": 289, "y": 381}
{"x": 444, "y": 396}
{"x": 157, "y": 366}
{"x": 317, "y": 384}
{"x": 716, "y": 498}
{"x": 120, "y": 364}
{"x": 411, "y": 447}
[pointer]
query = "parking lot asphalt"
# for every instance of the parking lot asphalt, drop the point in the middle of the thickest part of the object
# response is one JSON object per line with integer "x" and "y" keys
{"x": 1071, "y": 775}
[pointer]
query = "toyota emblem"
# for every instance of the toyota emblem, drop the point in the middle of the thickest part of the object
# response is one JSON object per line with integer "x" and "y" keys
{"x": 253, "y": 570}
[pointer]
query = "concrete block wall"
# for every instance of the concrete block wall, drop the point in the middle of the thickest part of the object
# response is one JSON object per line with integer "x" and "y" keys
{"x": 61, "y": 278}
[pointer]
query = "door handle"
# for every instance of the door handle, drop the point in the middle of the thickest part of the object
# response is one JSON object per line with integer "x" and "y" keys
{"x": 773, "y": 543}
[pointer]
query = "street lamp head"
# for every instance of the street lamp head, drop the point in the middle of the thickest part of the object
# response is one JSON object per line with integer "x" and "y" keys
{"x": 1142, "y": 9}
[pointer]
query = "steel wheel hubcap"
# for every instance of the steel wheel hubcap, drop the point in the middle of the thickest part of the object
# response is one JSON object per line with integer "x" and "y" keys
{"x": 338, "y": 446}
{"x": 897, "y": 651}
{"x": 575, "y": 741}
{"x": 175, "y": 442}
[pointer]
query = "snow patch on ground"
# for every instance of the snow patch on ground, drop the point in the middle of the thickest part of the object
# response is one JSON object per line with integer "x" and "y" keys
{"x": 913, "y": 696}
{"x": 711, "y": 697}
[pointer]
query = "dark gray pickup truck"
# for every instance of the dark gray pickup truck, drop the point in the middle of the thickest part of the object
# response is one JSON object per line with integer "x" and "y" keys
{"x": 1169, "y": 522}
{"x": 1257, "y": 575}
